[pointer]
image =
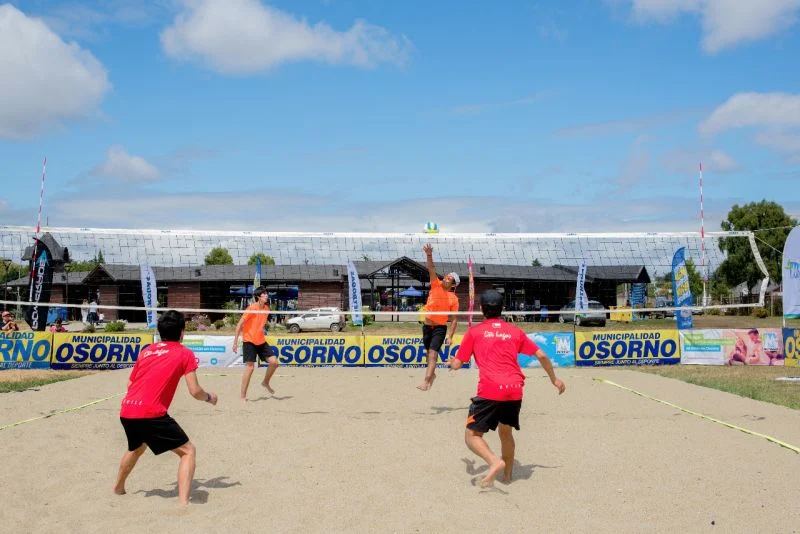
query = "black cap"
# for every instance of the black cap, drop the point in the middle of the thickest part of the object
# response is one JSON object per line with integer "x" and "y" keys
{"x": 491, "y": 298}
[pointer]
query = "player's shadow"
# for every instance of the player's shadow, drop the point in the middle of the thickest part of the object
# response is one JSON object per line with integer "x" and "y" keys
{"x": 439, "y": 410}
{"x": 197, "y": 495}
{"x": 520, "y": 471}
{"x": 273, "y": 397}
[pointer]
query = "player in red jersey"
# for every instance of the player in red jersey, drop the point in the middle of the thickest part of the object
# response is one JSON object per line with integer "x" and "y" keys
{"x": 496, "y": 344}
{"x": 151, "y": 388}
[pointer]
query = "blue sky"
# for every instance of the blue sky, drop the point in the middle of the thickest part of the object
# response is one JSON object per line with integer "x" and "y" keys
{"x": 339, "y": 115}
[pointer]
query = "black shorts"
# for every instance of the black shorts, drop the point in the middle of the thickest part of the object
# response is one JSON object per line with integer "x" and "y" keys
{"x": 252, "y": 351}
{"x": 484, "y": 414}
{"x": 433, "y": 336}
{"x": 161, "y": 434}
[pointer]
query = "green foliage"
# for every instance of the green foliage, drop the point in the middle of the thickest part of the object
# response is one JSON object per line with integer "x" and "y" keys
{"x": 219, "y": 324}
{"x": 80, "y": 266}
{"x": 201, "y": 322}
{"x": 713, "y": 311}
{"x": 265, "y": 260}
{"x": 99, "y": 258}
{"x": 88, "y": 329}
{"x": 536, "y": 263}
{"x": 739, "y": 265}
{"x": 760, "y": 313}
{"x": 11, "y": 271}
{"x": 191, "y": 326}
{"x": 718, "y": 289}
{"x": 115, "y": 326}
{"x": 695, "y": 281}
{"x": 219, "y": 256}
{"x": 231, "y": 318}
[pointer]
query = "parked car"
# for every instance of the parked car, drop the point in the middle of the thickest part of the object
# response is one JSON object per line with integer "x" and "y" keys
{"x": 317, "y": 319}
{"x": 663, "y": 302}
{"x": 596, "y": 314}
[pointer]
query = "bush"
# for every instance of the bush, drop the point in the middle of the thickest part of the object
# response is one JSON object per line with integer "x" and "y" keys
{"x": 712, "y": 311}
{"x": 191, "y": 326}
{"x": 115, "y": 326}
{"x": 219, "y": 324}
{"x": 231, "y": 319}
{"x": 88, "y": 329}
{"x": 201, "y": 321}
{"x": 761, "y": 313}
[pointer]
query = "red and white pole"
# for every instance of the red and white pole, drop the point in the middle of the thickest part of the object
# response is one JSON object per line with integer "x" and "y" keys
{"x": 703, "y": 239}
{"x": 38, "y": 227}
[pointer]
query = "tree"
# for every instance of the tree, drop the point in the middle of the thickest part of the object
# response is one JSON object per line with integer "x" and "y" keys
{"x": 536, "y": 263}
{"x": 10, "y": 271}
{"x": 99, "y": 258}
{"x": 80, "y": 266}
{"x": 219, "y": 256}
{"x": 365, "y": 257}
{"x": 265, "y": 260}
{"x": 664, "y": 283}
{"x": 740, "y": 265}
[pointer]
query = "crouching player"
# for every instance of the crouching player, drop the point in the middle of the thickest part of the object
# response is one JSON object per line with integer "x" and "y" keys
{"x": 151, "y": 388}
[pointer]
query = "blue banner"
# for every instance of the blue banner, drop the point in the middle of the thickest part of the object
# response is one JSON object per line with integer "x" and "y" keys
{"x": 791, "y": 275}
{"x": 354, "y": 293}
{"x": 637, "y": 294}
{"x": 681, "y": 291}
{"x": 581, "y": 299}
{"x": 149, "y": 294}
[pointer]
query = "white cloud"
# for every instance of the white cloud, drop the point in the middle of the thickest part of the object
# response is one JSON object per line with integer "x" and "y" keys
{"x": 752, "y": 110}
{"x": 687, "y": 162}
{"x": 122, "y": 167}
{"x": 726, "y": 23}
{"x": 45, "y": 81}
{"x": 784, "y": 142}
{"x": 246, "y": 36}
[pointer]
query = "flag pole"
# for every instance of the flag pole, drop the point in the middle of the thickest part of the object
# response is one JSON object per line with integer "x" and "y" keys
{"x": 38, "y": 228}
{"x": 703, "y": 240}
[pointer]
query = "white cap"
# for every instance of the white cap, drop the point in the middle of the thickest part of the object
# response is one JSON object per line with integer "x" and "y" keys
{"x": 456, "y": 278}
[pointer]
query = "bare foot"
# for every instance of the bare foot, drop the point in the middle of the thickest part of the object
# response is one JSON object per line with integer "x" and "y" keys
{"x": 119, "y": 491}
{"x": 271, "y": 391}
{"x": 427, "y": 384}
{"x": 507, "y": 474}
{"x": 244, "y": 399}
{"x": 488, "y": 480}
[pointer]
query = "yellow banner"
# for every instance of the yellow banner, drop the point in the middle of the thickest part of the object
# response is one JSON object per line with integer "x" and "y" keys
{"x": 633, "y": 347}
{"x": 791, "y": 347}
{"x": 404, "y": 350}
{"x": 97, "y": 351}
{"x": 25, "y": 350}
{"x": 318, "y": 350}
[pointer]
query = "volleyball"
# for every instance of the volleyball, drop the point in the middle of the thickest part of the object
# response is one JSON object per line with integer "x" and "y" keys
{"x": 431, "y": 228}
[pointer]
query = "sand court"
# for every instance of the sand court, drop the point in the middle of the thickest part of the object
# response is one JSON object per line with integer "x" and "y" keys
{"x": 361, "y": 449}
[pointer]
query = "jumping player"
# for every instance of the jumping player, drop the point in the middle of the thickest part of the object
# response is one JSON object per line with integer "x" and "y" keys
{"x": 435, "y": 331}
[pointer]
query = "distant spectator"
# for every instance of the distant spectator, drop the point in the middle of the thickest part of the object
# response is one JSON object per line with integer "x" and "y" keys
{"x": 9, "y": 325}
{"x": 57, "y": 326}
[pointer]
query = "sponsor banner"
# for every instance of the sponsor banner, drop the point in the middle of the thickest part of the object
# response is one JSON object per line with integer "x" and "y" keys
{"x": 704, "y": 347}
{"x": 354, "y": 292}
{"x": 581, "y": 298}
{"x": 634, "y": 347}
{"x": 318, "y": 350}
{"x": 404, "y": 351}
{"x": 39, "y": 285}
{"x": 681, "y": 291}
{"x": 559, "y": 347}
{"x": 25, "y": 350}
{"x": 213, "y": 351}
{"x": 762, "y": 346}
{"x": 149, "y": 294}
{"x": 97, "y": 351}
{"x": 791, "y": 346}
{"x": 791, "y": 275}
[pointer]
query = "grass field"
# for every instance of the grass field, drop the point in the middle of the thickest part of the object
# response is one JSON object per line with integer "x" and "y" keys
{"x": 757, "y": 383}
{"x": 22, "y": 379}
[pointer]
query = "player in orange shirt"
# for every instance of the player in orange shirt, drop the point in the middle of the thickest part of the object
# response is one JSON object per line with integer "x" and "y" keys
{"x": 255, "y": 344}
{"x": 435, "y": 331}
